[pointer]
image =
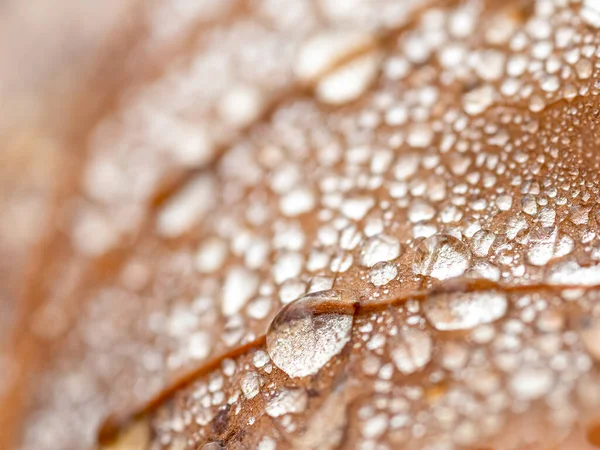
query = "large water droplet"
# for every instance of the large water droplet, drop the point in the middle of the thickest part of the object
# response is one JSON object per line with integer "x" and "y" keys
{"x": 310, "y": 331}
{"x": 379, "y": 248}
{"x": 464, "y": 310}
{"x": 441, "y": 256}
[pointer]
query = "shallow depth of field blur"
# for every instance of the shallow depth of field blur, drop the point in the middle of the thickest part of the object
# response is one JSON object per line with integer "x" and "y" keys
{"x": 47, "y": 50}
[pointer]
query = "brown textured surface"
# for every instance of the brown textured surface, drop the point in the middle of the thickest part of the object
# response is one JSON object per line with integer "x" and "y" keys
{"x": 495, "y": 154}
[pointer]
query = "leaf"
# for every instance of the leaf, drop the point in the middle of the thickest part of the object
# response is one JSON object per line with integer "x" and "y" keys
{"x": 419, "y": 176}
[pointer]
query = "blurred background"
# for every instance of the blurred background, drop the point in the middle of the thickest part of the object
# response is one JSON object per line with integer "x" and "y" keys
{"x": 48, "y": 51}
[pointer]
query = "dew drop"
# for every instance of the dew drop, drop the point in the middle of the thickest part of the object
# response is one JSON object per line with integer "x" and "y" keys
{"x": 464, "y": 310}
{"x": 379, "y": 248}
{"x": 310, "y": 331}
{"x": 441, "y": 256}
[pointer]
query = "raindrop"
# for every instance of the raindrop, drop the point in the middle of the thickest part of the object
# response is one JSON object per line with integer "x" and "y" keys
{"x": 464, "y": 310}
{"x": 441, "y": 256}
{"x": 308, "y": 332}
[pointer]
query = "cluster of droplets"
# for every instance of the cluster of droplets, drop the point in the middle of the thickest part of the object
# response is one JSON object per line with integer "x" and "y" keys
{"x": 441, "y": 152}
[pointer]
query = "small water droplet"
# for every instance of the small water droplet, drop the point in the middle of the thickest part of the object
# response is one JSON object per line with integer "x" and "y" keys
{"x": 310, "y": 331}
{"x": 410, "y": 349}
{"x": 464, "y": 310}
{"x": 531, "y": 382}
{"x": 382, "y": 273}
{"x": 250, "y": 384}
{"x": 584, "y": 69}
{"x": 286, "y": 401}
{"x": 441, "y": 256}
{"x": 478, "y": 100}
{"x": 379, "y": 248}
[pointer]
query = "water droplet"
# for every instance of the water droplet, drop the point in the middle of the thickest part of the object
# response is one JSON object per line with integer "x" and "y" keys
{"x": 323, "y": 51}
{"x": 481, "y": 242}
{"x": 590, "y": 13}
{"x": 379, "y": 248}
{"x": 310, "y": 331}
{"x": 241, "y": 105}
{"x": 570, "y": 273}
{"x": 250, "y": 384}
{"x": 478, "y": 100}
{"x": 464, "y": 310}
{"x": 529, "y": 205}
{"x": 529, "y": 383}
{"x": 382, "y": 273}
{"x": 584, "y": 68}
{"x": 350, "y": 81}
{"x": 187, "y": 208}
{"x": 341, "y": 64}
{"x": 441, "y": 256}
{"x": 550, "y": 83}
{"x": 547, "y": 245}
{"x": 410, "y": 349}
{"x": 286, "y": 401}
{"x": 240, "y": 286}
